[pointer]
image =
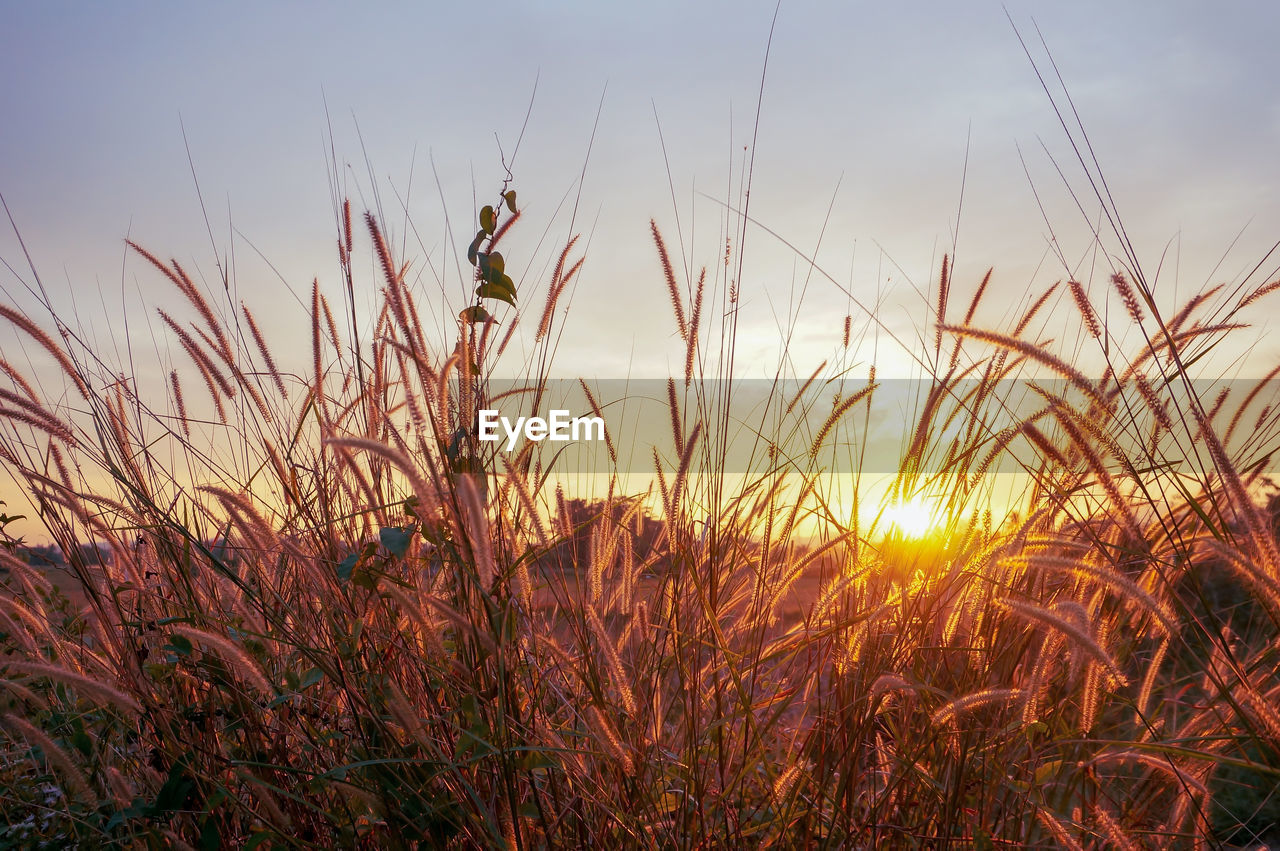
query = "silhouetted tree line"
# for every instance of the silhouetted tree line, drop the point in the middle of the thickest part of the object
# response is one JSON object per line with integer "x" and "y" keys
{"x": 51, "y": 555}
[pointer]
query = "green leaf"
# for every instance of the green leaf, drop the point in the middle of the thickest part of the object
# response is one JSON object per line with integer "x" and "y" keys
{"x": 491, "y": 266}
{"x": 487, "y": 219}
{"x": 310, "y": 678}
{"x": 82, "y": 741}
{"x": 456, "y": 443}
{"x": 670, "y": 801}
{"x": 1046, "y": 771}
{"x": 510, "y": 197}
{"x": 475, "y": 313}
{"x": 180, "y": 645}
{"x": 498, "y": 291}
{"x": 347, "y": 565}
{"x": 535, "y": 759}
{"x": 210, "y": 839}
{"x": 395, "y": 539}
{"x": 473, "y": 250}
{"x": 177, "y": 789}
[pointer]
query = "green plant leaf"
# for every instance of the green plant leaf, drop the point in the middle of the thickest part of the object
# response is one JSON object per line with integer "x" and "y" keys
{"x": 180, "y": 645}
{"x": 346, "y": 566}
{"x": 210, "y": 838}
{"x": 310, "y": 678}
{"x": 473, "y": 251}
{"x": 498, "y": 291}
{"x": 510, "y": 197}
{"x": 396, "y": 539}
{"x": 491, "y": 269}
{"x": 487, "y": 219}
{"x": 491, "y": 266}
{"x": 177, "y": 789}
{"x": 473, "y": 314}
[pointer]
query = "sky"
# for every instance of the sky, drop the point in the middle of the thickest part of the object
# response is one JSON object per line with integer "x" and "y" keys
{"x": 210, "y": 132}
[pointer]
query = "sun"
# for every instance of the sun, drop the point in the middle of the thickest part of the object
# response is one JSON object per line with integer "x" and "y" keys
{"x": 913, "y": 518}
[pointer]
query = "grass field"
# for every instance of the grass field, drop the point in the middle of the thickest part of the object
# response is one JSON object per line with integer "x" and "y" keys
{"x": 332, "y": 617}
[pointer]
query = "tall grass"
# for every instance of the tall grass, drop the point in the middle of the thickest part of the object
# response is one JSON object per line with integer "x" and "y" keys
{"x": 330, "y": 616}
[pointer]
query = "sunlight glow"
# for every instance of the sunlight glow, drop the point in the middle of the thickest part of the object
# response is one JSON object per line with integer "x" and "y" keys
{"x": 913, "y": 518}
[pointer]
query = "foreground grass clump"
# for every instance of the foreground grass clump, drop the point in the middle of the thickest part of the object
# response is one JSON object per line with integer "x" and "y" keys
{"x": 330, "y": 616}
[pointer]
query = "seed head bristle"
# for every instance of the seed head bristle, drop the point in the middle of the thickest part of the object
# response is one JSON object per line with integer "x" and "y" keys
{"x": 1259, "y": 293}
{"x": 331, "y": 325}
{"x": 1058, "y": 829}
{"x": 317, "y": 368}
{"x": 1127, "y": 297}
{"x": 1154, "y": 403}
{"x": 691, "y": 349}
{"x": 183, "y": 420}
{"x": 1038, "y": 354}
{"x": 1061, "y": 621}
{"x": 32, "y": 330}
{"x": 37, "y": 417}
{"x": 17, "y": 378}
{"x": 79, "y": 681}
{"x": 261, "y": 343}
{"x": 977, "y": 297}
{"x": 795, "y": 400}
{"x": 380, "y": 247}
{"x": 198, "y": 354}
{"x": 346, "y": 224}
{"x": 504, "y": 227}
{"x": 970, "y": 702}
{"x": 231, "y": 653}
{"x": 559, "y": 280}
{"x": 1033, "y": 310}
{"x": 75, "y": 779}
{"x": 1114, "y": 832}
{"x": 197, "y": 299}
{"x": 673, "y": 410}
{"x": 838, "y": 411}
{"x": 1086, "y": 309}
{"x": 596, "y": 409}
{"x": 613, "y": 661}
{"x": 944, "y": 289}
{"x": 673, "y": 289}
